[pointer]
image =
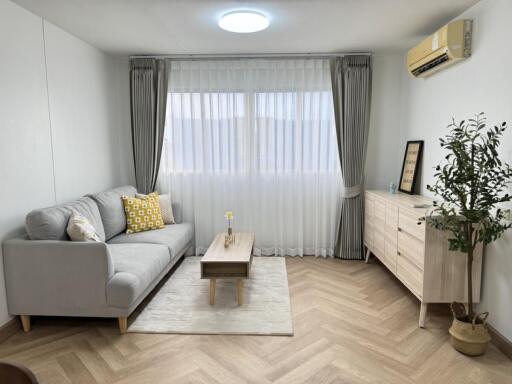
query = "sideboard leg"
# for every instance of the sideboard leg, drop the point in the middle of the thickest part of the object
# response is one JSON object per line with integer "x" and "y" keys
{"x": 423, "y": 314}
{"x": 368, "y": 254}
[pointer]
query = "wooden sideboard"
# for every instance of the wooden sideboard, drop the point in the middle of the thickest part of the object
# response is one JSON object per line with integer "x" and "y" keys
{"x": 416, "y": 253}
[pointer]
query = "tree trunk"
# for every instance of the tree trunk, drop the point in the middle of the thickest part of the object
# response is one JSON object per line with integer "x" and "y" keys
{"x": 470, "y": 272}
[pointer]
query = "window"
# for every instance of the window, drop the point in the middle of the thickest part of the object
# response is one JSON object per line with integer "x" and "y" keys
{"x": 283, "y": 132}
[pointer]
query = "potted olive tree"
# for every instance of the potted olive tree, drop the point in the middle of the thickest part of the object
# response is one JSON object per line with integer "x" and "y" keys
{"x": 471, "y": 183}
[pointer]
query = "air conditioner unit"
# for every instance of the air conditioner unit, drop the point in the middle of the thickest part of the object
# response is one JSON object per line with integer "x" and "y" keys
{"x": 445, "y": 47}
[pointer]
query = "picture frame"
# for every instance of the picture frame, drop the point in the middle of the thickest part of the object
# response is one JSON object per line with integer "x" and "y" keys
{"x": 410, "y": 166}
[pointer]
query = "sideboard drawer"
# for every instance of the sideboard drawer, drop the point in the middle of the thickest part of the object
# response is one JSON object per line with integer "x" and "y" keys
{"x": 408, "y": 222}
{"x": 411, "y": 248}
{"x": 410, "y": 274}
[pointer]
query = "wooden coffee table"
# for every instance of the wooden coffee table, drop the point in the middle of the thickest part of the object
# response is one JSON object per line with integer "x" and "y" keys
{"x": 231, "y": 262}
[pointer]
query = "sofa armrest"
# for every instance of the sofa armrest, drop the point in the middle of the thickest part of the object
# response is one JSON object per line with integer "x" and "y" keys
{"x": 51, "y": 277}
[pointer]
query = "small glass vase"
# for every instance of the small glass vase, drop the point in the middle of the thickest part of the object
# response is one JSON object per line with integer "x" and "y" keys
{"x": 229, "y": 238}
{"x": 392, "y": 188}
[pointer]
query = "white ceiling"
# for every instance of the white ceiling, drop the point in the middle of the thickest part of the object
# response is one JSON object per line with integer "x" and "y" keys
{"x": 299, "y": 26}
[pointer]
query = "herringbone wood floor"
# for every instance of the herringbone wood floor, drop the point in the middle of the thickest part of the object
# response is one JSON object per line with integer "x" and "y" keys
{"x": 354, "y": 323}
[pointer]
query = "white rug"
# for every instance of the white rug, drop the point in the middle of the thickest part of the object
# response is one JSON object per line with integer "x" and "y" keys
{"x": 181, "y": 305}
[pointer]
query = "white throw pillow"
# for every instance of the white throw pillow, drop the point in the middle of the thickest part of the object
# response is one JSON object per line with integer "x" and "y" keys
{"x": 81, "y": 229}
{"x": 165, "y": 207}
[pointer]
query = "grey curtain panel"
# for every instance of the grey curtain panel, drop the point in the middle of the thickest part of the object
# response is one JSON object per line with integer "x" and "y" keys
{"x": 351, "y": 88}
{"x": 148, "y": 97}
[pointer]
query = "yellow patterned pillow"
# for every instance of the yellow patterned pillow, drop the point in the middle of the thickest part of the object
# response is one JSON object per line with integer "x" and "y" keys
{"x": 142, "y": 214}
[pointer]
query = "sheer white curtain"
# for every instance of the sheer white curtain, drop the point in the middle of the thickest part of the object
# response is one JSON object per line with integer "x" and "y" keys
{"x": 257, "y": 137}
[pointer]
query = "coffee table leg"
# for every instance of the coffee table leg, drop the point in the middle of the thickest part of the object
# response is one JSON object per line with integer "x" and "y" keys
{"x": 212, "y": 291}
{"x": 240, "y": 291}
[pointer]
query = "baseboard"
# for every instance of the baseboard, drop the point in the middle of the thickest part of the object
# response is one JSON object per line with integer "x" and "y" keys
{"x": 9, "y": 328}
{"x": 503, "y": 344}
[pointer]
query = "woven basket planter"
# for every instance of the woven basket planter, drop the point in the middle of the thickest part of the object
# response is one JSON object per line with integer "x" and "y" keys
{"x": 469, "y": 338}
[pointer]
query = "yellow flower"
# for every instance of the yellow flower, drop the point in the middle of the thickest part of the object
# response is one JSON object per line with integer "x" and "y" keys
{"x": 228, "y": 215}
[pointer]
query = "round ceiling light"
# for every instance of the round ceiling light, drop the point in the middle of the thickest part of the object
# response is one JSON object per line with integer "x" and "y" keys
{"x": 244, "y": 21}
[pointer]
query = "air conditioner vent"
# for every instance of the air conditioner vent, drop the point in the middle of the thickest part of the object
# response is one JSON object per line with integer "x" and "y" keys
{"x": 431, "y": 64}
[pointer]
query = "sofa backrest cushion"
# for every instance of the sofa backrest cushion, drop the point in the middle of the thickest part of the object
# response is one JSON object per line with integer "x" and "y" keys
{"x": 51, "y": 223}
{"x": 176, "y": 212}
{"x": 111, "y": 209}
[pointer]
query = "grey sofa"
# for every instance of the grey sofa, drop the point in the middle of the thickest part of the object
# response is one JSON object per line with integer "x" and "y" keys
{"x": 47, "y": 274}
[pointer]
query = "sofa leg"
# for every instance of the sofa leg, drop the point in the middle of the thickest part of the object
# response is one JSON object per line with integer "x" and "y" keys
{"x": 123, "y": 324}
{"x": 25, "y": 322}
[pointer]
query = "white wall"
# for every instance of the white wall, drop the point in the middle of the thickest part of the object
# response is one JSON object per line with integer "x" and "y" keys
{"x": 483, "y": 83}
{"x": 81, "y": 98}
{"x": 386, "y": 111}
{"x": 61, "y": 132}
{"x": 26, "y": 170}
{"x": 123, "y": 118}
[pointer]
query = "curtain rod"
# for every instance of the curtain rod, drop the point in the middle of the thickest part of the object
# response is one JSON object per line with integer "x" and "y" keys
{"x": 247, "y": 56}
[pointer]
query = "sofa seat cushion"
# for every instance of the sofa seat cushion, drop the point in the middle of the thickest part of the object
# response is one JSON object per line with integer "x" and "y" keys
{"x": 51, "y": 223}
{"x": 111, "y": 209}
{"x": 175, "y": 236}
{"x": 136, "y": 266}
